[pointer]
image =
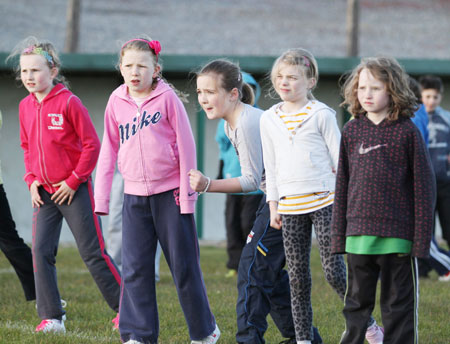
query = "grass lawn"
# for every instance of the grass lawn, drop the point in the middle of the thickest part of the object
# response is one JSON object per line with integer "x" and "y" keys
{"x": 89, "y": 318}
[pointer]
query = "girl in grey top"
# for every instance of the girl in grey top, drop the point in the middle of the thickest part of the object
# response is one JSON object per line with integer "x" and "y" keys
{"x": 241, "y": 127}
{"x": 263, "y": 284}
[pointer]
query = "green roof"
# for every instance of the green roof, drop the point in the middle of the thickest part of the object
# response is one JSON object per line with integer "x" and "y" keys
{"x": 328, "y": 66}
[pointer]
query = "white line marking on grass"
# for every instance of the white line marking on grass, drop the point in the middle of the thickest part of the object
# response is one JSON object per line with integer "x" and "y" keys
{"x": 60, "y": 270}
{"x": 28, "y": 329}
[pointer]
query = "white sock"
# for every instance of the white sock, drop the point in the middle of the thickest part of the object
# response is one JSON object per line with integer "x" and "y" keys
{"x": 303, "y": 342}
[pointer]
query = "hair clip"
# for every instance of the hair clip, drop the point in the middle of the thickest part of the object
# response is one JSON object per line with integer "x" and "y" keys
{"x": 305, "y": 61}
{"x": 239, "y": 77}
{"x": 32, "y": 49}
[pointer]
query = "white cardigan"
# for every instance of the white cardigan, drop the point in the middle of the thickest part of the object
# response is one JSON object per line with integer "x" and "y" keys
{"x": 304, "y": 160}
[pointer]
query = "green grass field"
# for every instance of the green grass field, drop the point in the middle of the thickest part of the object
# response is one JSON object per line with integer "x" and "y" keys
{"x": 89, "y": 318}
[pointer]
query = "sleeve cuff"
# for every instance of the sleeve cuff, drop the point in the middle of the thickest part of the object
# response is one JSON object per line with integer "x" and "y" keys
{"x": 338, "y": 245}
{"x": 187, "y": 207}
{"x": 102, "y": 206}
{"x": 29, "y": 179}
{"x": 73, "y": 182}
{"x": 272, "y": 196}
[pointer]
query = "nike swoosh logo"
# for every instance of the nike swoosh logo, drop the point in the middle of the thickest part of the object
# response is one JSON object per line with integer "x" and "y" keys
{"x": 191, "y": 194}
{"x": 366, "y": 150}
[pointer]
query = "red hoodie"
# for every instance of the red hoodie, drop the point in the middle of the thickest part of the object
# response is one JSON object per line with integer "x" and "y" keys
{"x": 58, "y": 139}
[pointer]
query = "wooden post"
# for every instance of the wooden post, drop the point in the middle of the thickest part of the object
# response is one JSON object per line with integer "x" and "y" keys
{"x": 352, "y": 27}
{"x": 73, "y": 26}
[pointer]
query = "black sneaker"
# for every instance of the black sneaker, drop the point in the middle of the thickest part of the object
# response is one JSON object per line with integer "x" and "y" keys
{"x": 317, "y": 339}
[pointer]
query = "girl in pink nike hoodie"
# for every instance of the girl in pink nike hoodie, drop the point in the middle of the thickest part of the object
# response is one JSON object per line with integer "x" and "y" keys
{"x": 147, "y": 132}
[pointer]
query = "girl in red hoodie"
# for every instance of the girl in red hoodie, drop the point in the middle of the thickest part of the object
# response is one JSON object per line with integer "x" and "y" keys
{"x": 61, "y": 148}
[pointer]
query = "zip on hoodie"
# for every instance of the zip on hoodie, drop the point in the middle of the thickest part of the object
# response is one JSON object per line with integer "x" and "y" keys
{"x": 136, "y": 128}
{"x": 41, "y": 147}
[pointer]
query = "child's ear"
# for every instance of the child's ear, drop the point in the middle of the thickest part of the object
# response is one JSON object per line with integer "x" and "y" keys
{"x": 311, "y": 83}
{"x": 157, "y": 70}
{"x": 234, "y": 93}
{"x": 54, "y": 72}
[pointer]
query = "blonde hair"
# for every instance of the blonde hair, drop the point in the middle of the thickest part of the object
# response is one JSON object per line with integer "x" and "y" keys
{"x": 296, "y": 57}
{"x": 402, "y": 103}
{"x": 230, "y": 76}
{"x": 32, "y": 46}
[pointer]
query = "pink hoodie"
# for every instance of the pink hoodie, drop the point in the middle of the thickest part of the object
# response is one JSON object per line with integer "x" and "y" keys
{"x": 154, "y": 146}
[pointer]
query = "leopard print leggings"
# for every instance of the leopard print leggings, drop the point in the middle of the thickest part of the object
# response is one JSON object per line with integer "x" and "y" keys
{"x": 297, "y": 232}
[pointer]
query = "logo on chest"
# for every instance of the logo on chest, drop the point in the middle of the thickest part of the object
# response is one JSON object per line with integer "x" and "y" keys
{"x": 57, "y": 120}
{"x": 365, "y": 150}
{"x": 139, "y": 122}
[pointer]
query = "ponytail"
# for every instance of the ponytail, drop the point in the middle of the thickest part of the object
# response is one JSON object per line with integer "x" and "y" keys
{"x": 247, "y": 96}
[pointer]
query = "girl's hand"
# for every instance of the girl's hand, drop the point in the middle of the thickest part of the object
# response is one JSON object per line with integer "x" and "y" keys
{"x": 275, "y": 218}
{"x": 64, "y": 193}
{"x": 275, "y": 221}
{"x": 36, "y": 200}
{"x": 197, "y": 180}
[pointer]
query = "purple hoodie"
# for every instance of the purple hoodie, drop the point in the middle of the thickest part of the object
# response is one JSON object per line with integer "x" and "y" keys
{"x": 153, "y": 144}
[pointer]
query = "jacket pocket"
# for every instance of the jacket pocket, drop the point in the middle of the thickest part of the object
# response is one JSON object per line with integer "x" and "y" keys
{"x": 173, "y": 152}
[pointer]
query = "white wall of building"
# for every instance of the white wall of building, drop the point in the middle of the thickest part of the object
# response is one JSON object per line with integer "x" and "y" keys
{"x": 94, "y": 92}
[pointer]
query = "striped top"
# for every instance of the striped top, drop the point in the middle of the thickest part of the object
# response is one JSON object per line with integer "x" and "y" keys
{"x": 305, "y": 203}
{"x": 301, "y": 203}
{"x": 292, "y": 120}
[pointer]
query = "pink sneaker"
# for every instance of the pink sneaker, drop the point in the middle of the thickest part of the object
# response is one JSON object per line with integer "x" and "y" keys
{"x": 115, "y": 322}
{"x": 375, "y": 334}
{"x": 51, "y": 325}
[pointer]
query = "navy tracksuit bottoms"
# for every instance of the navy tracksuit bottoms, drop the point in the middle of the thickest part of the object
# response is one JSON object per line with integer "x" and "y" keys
{"x": 263, "y": 284}
{"x": 147, "y": 219}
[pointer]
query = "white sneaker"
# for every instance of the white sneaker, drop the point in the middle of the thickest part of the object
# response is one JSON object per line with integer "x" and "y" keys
{"x": 211, "y": 339}
{"x": 132, "y": 341}
{"x": 445, "y": 278}
{"x": 51, "y": 325}
{"x": 375, "y": 334}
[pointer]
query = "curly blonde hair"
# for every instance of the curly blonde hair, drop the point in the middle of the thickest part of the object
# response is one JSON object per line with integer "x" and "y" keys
{"x": 402, "y": 102}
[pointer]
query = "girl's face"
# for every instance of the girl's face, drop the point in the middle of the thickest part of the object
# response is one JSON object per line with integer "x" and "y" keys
{"x": 214, "y": 99}
{"x": 138, "y": 70}
{"x": 291, "y": 84}
{"x": 372, "y": 94}
{"x": 36, "y": 75}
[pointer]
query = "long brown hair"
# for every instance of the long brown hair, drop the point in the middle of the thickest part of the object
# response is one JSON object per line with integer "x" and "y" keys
{"x": 387, "y": 70}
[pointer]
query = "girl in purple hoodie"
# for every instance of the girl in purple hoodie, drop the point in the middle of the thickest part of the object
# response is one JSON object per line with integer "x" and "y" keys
{"x": 147, "y": 132}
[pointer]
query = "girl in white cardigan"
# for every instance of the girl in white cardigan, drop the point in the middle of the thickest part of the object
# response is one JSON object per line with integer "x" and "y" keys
{"x": 300, "y": 139}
